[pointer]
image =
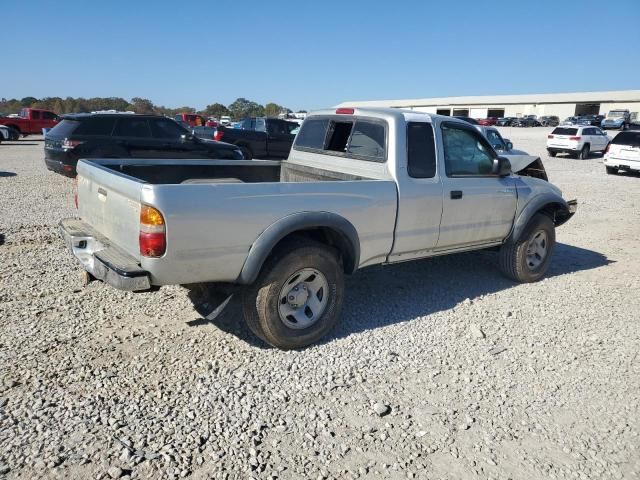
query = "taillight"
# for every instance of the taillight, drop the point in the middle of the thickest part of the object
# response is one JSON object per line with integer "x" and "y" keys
{"x": 70, "y": 144}
{"x": 575, "y": 138}
{"x": 152, "y": 238}
{"x": 218, "y": 135}
{"x": 549, "y": 136}
{"x": 344, "y": 111}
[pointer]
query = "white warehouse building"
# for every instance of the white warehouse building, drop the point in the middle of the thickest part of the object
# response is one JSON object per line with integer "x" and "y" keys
{"x": 560, "y": 104}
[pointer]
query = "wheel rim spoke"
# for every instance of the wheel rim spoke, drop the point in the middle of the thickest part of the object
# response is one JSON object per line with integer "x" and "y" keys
{"x": 303, "y": 298}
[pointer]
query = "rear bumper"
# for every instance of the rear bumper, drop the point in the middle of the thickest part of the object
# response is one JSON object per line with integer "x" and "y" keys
{"x": 562, "y": 149}
{"x": 60, "y": 162}
{"x": 102, "y": 260}
{"x": 620, "y": 163}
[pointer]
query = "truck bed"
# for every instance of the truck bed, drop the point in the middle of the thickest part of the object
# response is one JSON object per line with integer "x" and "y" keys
{"x": 215, "y": 210}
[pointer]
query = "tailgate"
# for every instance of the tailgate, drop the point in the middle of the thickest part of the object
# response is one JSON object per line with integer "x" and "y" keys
{"x": 110, "y": 203}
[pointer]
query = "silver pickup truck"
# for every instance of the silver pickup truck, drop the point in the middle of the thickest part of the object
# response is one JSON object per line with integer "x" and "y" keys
{"x": 360, "y": 187}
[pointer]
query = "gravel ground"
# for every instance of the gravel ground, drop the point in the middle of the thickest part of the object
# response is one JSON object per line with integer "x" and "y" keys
{"x": 440, "y": 369}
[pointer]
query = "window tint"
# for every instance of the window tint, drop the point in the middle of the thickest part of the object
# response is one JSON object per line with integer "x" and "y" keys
{"x": 291, "y": 126}
{"x": 564, "y": 131}
{"x": 35, "y": 115}
{"x": 589, "y": 131}
{"x": 465, "y": 153}
{"x": 96, "y": 126}
{"x": 627, "y": 138}
{"x": 368, "y": 140}
{"x": 49, "y": 115}
{"x": 421, "y": 150}
{"x": 132, "y": 127}
{"x": 312, "y": 133}
{"x": 248, "y": 124}
{"x": 162, "y": 128}
{"x": 63, "y": 129}
{"x": 277, "y": 127}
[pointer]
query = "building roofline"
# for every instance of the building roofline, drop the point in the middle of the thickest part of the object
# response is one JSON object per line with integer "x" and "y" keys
{"x": 541, "y": 98}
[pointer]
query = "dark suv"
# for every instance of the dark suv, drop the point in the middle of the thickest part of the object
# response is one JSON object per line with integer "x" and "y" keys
{"x": 100, "y": 135}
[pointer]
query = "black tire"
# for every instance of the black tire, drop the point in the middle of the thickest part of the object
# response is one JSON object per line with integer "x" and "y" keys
{"x": 612, "y": 170}
{"x": 261, "y": 300}
{"x": 512, "y": 256}
{"x": 553, "y": 154}
{"x": 584, "y": 153}
{"x": 14, "y": 135}
{"x": 246, "y": 152}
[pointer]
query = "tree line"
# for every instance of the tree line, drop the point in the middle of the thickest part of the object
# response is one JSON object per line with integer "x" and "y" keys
{"x": 240, "y": 108}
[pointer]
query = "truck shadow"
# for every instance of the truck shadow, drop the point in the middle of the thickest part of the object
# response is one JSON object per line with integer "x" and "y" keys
{"x": 7, "y": 174}
{"x": 379, "y": 296}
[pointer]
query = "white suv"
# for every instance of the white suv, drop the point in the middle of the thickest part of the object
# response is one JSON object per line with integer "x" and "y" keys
{"x": 577, "y": 140}
{"x": 623, "y": 153}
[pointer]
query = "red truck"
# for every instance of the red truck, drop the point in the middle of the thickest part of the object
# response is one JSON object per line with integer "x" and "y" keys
{"x": 191, "y": 119}
{"x": 31, "y": 120}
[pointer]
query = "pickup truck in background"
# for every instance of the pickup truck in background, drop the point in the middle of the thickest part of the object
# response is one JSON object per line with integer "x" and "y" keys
{"x": 268, "y": 138}
{"x": 190, "y": 119}
{"x": 616, "y": 119}
{"x": 361, "y": 187}
{"x": 31, "y": 121}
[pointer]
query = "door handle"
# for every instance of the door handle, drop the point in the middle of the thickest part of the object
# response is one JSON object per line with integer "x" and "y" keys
{"x": 456, "y": 194}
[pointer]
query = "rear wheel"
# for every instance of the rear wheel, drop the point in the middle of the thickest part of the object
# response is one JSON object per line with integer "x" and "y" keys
{"x": 584, "y": 153}
{"x": 612, "y": 170}
{"x": 527, "y": 259}
{"x": 297, "y": 298}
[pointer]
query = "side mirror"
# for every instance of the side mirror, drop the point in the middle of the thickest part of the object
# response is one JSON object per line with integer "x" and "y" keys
{"x": 501, "y": 167}
{"x": 508, "y": 144}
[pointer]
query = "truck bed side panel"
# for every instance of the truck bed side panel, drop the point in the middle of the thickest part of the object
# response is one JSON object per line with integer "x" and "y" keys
{"x": 211, "y": 227}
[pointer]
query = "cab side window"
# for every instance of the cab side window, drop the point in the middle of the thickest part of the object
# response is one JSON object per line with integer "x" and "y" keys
{"x": 466, "y": 153}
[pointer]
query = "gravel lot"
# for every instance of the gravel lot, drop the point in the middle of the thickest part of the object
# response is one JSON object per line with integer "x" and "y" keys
{"x": 440, "y": 369}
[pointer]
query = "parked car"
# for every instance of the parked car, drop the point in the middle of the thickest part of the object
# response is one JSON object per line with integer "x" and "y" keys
{"x": 206, "y": 133}
{"x": 569, "y": 121}
{"x": 211, "y": 122}
{"x": 618, "y": 119}
{"x": 549, "y": 121}
{"x": 31, "y": 121}
{"x": 577, "y": 140}
{"x": 8, "y": 133}
{"x": 528, "y": 121}
{"x": 260, "y": 137}
{"x": 470, "y": 120}
{"x": 361, "y": 187}
{"x": 521, "y": 161}
{"x": 505, "y": 121}
{"x": 225, "y": 120}
{"x": 489, "y": 121}
{"x": 88, "y": 135}
{"x": 623, "y": 153}
{"x": 191, "y": 119}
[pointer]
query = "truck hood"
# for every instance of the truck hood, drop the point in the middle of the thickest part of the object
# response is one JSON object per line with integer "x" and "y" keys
{"x": 519, "y": 160}
{"x": 526, "y": 165}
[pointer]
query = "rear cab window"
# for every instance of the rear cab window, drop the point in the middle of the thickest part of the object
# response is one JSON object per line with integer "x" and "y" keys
{"x": 421, "y": 150}
{"x": 359, "y": 138}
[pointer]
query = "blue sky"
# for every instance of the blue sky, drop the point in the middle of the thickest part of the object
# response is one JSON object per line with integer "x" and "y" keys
{"x": 310, "y": 54}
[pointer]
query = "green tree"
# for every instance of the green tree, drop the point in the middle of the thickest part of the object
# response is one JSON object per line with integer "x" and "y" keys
{"x": 273, "y": 109}
{"x": 243, "y": 108}
{"x": 216, "y": 110}
{"x": 28, "y": 101}
{"x": 141, "y": 105}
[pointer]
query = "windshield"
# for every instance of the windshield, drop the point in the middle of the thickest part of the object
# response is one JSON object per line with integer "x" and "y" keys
{"x": 616, "y": 114}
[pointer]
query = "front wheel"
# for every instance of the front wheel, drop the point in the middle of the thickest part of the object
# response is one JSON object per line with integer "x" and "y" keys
{"x": 297, "y": 298}
{"x": 612, "y": 170}
{"x": 527, "y": 259}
